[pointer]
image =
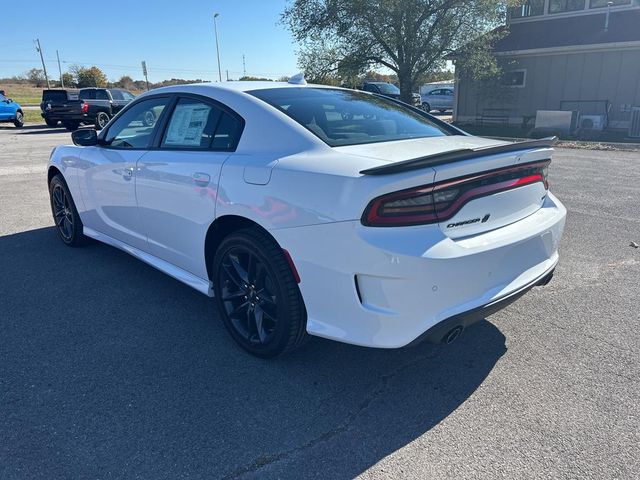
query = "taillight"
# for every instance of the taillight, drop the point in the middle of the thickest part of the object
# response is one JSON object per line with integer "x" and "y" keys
{"x": 441, "y": 201}
{"x": 85, "y": 107}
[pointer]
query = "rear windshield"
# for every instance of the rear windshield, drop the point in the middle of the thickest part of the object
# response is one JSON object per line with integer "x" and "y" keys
{"x": 347, "y": 117}
{"x": 56, "y": 96}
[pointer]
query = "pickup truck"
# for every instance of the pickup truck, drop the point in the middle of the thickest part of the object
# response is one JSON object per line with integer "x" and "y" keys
{"x": 87, "y": 106}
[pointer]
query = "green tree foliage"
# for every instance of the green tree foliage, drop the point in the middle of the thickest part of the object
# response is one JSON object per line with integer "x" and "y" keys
{"x": 89, "y": 77}
{"x": 412, "y": 38}
{"x": 35, "y": 76}
{"x": 69, "y": 80}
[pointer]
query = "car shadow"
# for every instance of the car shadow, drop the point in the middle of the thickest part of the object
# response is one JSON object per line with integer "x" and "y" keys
{"x": 111, "y": 366}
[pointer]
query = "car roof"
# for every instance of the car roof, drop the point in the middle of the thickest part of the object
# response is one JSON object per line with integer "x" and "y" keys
{"x": 240, "y": 86}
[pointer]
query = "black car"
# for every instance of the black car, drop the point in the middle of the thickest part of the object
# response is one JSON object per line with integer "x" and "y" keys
{"x": 85, "y": 106}
{"x": 389, "y": 90}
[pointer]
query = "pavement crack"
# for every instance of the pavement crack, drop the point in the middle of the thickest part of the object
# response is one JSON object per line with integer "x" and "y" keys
{"x": 381, "y": 384}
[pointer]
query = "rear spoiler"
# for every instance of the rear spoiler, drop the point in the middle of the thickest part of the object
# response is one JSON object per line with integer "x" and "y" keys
{"x": 457, "y": 156}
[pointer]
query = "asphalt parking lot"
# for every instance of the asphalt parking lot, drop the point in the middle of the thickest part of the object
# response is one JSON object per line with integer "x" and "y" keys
{"x": 110, "y": 369}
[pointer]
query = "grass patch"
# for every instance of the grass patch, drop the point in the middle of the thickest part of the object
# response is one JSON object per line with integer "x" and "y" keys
{"x": 23, "y": 94}
{"x": 32, "y": 116}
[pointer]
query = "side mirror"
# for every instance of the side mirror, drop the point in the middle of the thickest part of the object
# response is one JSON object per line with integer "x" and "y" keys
{"x": 85, "y": 137}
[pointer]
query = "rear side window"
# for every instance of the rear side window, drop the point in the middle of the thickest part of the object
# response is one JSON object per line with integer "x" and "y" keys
{"x": 87, "y": 94}
{"x": 102, "y": 95}
{"x": 135, "y": 128}
{"x": 347, "y": 117}
{"x": 197, "y": 124}
{"x": 192, "y": 125}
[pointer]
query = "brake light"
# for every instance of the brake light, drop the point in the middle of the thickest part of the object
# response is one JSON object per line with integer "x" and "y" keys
{"x": 440, "y": 201}
{"x": 85, "y": 107}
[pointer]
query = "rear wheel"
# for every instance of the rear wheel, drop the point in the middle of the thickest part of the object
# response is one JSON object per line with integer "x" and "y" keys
{"x": 257, "y": 294}
{"x": 101, "y": 120}
{"x": 71, "y": 126}
{"x": 19, "y": 121}
{"x": 51, "y": 123}
{"x": 148, "y": 119}
{"x": 65, "y": 214}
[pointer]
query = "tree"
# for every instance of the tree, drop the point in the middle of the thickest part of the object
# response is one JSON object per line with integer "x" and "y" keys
{"x": 90, "y": 77}
{"x": 36, "y": 77}
{"x": 68, "y": 79}
{"x": 125, "y": 82}
{"x": 412, "y": 38}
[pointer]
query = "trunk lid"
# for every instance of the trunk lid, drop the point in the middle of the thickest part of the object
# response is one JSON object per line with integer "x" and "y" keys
{"x": 479, "y": 184}
{"x": 496, "y": 209}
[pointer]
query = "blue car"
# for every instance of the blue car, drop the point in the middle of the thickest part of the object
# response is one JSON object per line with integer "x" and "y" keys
{"x": 11, "y": 111}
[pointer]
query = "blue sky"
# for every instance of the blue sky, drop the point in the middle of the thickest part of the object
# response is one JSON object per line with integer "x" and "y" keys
{"x": 174, "y": 37}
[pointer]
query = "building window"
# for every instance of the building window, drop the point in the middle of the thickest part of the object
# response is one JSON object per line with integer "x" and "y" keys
{"x": 559, "y": 6}
{"x": 603, "y": 3}
{"x": 530, "y": 8}
{"x": 514, "y": 78}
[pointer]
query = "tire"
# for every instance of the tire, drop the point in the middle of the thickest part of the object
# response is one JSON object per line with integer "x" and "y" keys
{"x": 442, "y": 111}
{"x": 257, "y": 295}
{"x": 19, "y": 120}
{"x": 426, "y": 107}
{"x": 101, "y": 120}
{"x": 148, "y": 119}
{"x": 65, "y": 215}
{"x": 51, "y": 123}
{"x": 71, "y": 126}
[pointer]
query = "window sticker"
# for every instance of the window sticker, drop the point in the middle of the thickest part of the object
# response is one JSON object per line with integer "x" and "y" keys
{"x": 187, "y": 124}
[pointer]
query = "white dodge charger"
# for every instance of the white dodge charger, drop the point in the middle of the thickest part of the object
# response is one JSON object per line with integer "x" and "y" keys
{"x": 307, "y": 209}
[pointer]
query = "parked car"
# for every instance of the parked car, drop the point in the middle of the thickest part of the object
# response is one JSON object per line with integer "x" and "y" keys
{"x": 388, "y": 90}
{"x": 11, "y": 111}
{"x": 85, "y": 106}
{"x": 54, "y": 103}
{"x": 440, "y": 99}
{"x": 308, "y": 209}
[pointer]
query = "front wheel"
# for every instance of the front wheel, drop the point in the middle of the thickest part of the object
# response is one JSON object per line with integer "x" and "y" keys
{"x": 19, "y": 121}
{"x": 257, "y": 294}
{"x": 71, "y": 126}
{"x": 65, "y": 214}
{"x": 51, "y": 123}
{"x": 426, "y": 107}
{"x": 101, "y": 120}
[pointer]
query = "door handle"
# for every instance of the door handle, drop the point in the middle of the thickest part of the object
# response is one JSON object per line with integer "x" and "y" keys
{"x": 201, "y": 179}
{"x": 127, "y": 173}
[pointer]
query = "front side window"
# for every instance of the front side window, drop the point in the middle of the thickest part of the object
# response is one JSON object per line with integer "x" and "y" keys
{"x": 127, "y": 95}
{"x": 2, "y": 98}
{"x": 348, "y": 117}
{"x": 530, "y": 8}
{"x": 136, "y": 126}
{"x": 117, "y": 95}
{"x": 559, "y": 6}
{"x": 389, "y": 89}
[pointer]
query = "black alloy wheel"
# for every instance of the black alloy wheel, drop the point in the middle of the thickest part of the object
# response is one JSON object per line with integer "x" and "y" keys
{"x": 101, "y": 120}
{"x": 65, "y": 214}
{"x": 257, "y": 295}
{"x": 248, "y": 295}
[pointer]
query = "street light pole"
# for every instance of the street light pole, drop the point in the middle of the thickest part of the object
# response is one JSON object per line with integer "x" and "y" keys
{"x": 215, "y": 29}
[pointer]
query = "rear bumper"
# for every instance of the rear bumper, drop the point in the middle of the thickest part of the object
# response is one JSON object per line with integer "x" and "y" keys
{"x": 387, "y": 287}
{"x": 440, "y": 332}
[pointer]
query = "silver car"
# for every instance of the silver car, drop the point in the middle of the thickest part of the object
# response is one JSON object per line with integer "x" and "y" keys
{"x": 440, "y": 99}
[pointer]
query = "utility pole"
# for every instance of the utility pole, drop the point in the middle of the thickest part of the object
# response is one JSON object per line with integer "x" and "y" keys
{"x": 144, "y": 72}
{"x": 215, "y": 29}
{"x": 60, "y": 70}
{"x": 227, "y": 75}
{"x": 244, "y": 66}
{"x": 39, "y": 49}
